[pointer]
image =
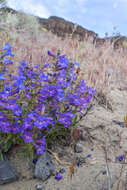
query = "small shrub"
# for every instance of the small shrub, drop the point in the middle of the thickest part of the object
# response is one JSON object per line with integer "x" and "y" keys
{"x": 40, "y": 105}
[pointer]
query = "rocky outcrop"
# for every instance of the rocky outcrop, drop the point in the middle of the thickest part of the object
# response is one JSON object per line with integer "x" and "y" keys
{"x": 63, "y": 28}
{"x": 7, "y": 10}
{"x": 116, "y": 41}
{"x": 60, "y": 26}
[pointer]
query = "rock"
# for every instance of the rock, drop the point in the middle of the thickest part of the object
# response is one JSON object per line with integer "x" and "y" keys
{"x": 78, "y": 148}
{"x": 82, "y": 159}
{"x": 62, "y": 170}
{"x": 39, "y": 187}
{"x": 58, "y": 26}
{"x": 7, "y": 172}
{"x": 44, "y": 167}
{"x": 63, "y": 28}
{"x": 79, "y": 160}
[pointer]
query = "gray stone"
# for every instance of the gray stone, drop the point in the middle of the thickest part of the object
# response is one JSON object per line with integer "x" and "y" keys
{"x": 44, "y": 167}
{"x": 80, "y": 159}
{"x": 62, "y": 170}
{"x": 39, "y": 187}
{"x": 7, "y": 172}
{"x": 78, "y": 148}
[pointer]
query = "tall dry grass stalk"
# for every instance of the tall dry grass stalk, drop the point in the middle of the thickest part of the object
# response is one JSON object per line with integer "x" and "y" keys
{"x": 102, "y": 67}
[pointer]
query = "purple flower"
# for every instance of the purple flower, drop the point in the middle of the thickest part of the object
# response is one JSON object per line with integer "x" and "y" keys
{"x": 17, "y": 110}
{"x": 14, "y": 107}
{"x": 7, "y": 88}
{"x": 88, "y": 156}
{"x": 62, "y": 62}
{"x": 65, "y": 119}
{"x": 4, "y": 69}
{"x": 7, "y": 46}
{"x": 50, "y": 54}
{"x": 31, "y": 116}
{"x": 58, "y": 177}
{"x": 18, "y": 82}
{"x": 120, "y": 158}
{"x": 42, "y": 77}
{"x": 89, "y": 98}
{"x": 40, "y": 145}
{"x": 5, "y": 125}
{"x": 91, "y": 91}
{"x": 7, "y": 53}
{"x": 74, "y": 99}
{"x": 27, "y": 124}
{"x": 81, "y": 88}
{"x": 27, "y": 137}
{"x": 76, "y": 63}
{"x": 14, "y": 91}
{"x": 23, "y": 64}
{"x": 46, "y": 65}
{"x": 2, "y": 76}
{"x": 39, "y": 148}
{"x": 42, "y": 122}
{"x": 7, "y": 61}
{"x": 15, "y": 128}
{"x": 79, "y": 164}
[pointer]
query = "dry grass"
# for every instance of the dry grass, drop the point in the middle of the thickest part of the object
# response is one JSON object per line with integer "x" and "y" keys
{"x": 101, "y": 67}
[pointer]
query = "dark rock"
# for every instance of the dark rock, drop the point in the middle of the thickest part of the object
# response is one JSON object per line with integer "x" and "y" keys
{"x": 79, "y": 159}
{"x": 79, "y": 164}
{"x": 34, "y": 161}
{"x": 44, "y": 167}
{"x": 78, "y": 148}
{"x": 61, "y": 28}
{"x": 7, "y": 10}
{"x": 7, "y": 172}
{"x": 82, "y": 159}
{"x": 62, "y": 170}
{"x": 121, "y": 124}
{"x": 58, "y": 26}
{"x": 39, "y": 187}
{"x": 104, "y": 172}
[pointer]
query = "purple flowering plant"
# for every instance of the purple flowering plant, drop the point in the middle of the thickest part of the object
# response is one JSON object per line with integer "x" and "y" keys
{"x": 40, "y": 104}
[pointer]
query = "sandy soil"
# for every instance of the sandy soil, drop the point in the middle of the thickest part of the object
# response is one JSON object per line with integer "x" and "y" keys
{"x": 105, "y": 140}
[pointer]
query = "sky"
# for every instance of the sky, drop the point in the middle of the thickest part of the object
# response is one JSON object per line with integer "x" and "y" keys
{"x": 100, "y": 16}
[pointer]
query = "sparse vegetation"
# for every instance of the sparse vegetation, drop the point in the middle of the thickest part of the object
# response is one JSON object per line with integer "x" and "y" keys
{"x": 101, "y": 67}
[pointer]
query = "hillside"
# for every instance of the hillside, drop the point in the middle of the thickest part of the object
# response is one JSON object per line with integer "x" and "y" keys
{"x": 63, "y": 28}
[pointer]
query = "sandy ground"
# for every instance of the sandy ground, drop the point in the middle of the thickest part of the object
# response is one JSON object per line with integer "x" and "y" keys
{"x": 105, "y": 140}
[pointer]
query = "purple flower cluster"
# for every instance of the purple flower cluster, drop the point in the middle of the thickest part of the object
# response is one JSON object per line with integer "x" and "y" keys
{"x": 35, "y": 101}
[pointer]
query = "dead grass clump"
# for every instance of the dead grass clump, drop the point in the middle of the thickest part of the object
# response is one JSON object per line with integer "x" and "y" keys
{"x": 101, "y": 67}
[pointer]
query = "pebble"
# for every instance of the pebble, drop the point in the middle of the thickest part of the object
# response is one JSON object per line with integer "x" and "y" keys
{"x": 39, "y": 187}
{"x": 78, "y": 148}
{"x": 62, "y": 170}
